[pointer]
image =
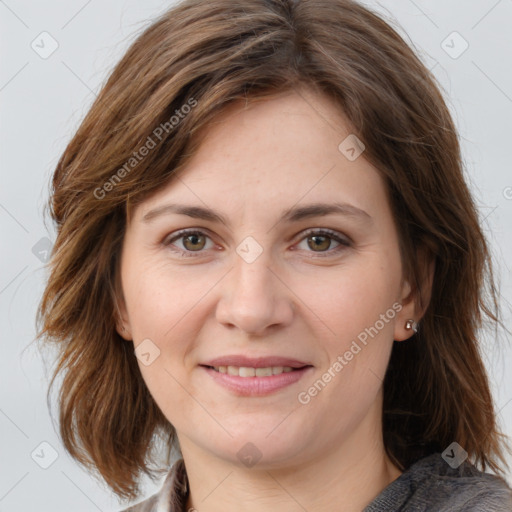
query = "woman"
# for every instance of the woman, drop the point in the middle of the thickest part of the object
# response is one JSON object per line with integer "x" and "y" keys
{"x": 268, "y": 262}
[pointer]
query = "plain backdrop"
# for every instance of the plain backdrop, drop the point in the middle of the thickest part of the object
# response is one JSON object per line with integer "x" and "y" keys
{"x": 44, "y": 97}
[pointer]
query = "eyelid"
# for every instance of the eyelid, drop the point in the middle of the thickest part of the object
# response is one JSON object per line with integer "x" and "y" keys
{"x": 181, "y": 233}
{"x": 343, "y": 240}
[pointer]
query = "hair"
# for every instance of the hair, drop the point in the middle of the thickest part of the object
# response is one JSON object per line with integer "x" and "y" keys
{"x": 208, "y": 55}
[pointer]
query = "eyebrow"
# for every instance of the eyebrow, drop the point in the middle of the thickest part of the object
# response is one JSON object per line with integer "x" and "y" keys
{"x": 293, "y": 214}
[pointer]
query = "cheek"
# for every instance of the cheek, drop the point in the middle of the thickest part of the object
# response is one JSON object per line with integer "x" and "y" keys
{"x": 350, "y": 298}
{"x": 159, "y": 299}
{"x": 163, "y": 305}
{"x": 356, "y": 333}
{"x": 352, "y": 307}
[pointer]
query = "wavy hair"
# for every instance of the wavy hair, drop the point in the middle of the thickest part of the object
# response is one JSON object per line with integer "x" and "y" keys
{"x": 206, "y": 55}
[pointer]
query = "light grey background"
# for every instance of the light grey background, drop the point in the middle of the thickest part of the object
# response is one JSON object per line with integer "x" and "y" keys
{"x": 42, "y": 103}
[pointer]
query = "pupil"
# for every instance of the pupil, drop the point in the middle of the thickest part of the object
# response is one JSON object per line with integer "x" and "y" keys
{"x": 318, "y": 245}
{"x": 193, "y": 239}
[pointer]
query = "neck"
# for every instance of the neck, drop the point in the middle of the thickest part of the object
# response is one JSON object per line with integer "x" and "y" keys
{"x": 350, "y": 476}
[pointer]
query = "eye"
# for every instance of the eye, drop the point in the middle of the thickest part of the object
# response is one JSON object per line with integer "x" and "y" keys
{"x": 194, "y": 241}
{"x": 322, "y": 239}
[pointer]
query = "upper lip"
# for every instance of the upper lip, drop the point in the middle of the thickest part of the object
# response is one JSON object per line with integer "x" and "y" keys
{"x": 255, "y": 362}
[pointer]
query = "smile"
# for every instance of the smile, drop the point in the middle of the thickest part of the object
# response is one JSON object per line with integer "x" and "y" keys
{"x": 248, "y": 381}
{"x": 246, "y": 371}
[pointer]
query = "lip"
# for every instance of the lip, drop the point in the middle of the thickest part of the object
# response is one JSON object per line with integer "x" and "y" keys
{"x": 257, "y": 386}
{"x": 255, "y": 362}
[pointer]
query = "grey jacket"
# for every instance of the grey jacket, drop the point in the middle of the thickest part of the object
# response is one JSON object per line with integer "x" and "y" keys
{"x": 428, "y": 485}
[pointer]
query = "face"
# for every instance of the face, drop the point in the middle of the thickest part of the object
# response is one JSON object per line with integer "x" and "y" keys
{"x": 264, "y": 276}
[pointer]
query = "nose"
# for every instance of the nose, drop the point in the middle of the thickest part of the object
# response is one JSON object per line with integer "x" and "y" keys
{"x": 254, "y": 298}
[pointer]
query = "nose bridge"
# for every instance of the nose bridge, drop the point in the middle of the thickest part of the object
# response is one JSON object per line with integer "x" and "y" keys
{"x": 252, "y": 279}
{"x": 254, "y": 298}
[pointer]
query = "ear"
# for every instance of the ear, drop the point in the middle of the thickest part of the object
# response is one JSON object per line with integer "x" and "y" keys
{"x": 415, "y": 299}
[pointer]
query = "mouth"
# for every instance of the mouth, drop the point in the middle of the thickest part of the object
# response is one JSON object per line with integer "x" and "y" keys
{"x": 250, "y": 381}
{"x": 247, "y": 371}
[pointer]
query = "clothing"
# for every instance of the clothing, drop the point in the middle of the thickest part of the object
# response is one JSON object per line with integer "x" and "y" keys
{"x": 428, "y": 485}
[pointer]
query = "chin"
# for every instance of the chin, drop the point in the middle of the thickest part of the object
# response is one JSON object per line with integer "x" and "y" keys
{"x": 262, "y": 452}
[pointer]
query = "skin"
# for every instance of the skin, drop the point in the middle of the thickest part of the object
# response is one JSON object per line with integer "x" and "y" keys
{"x": 296, "y": 299}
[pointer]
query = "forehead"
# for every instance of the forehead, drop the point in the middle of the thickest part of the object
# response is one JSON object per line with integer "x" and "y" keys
{"x": 274, "y": 152}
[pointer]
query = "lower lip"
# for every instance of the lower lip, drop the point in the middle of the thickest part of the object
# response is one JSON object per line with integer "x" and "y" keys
{"x": 257, "y": 386}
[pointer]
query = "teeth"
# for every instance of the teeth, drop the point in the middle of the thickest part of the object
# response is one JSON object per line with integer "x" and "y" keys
{"x": 244, "y": 371}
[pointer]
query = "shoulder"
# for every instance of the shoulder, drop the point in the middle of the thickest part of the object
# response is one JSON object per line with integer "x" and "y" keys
{"x": 431, "y": 484}
{"x": 494, "y": 500}
{"x": 473, "y": 493}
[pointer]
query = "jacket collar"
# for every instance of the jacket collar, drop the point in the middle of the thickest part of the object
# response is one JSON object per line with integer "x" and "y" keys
{"x": 173, "y": 495}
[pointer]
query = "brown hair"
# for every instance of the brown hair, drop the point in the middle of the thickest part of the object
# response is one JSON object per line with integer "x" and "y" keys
{"x": 208, "y": 54}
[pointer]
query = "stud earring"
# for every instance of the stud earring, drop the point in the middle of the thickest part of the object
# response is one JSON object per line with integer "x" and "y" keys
{"x": 411, "y": 324}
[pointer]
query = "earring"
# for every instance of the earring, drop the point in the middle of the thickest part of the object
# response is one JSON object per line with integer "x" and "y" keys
{"x": 411, "y": 324}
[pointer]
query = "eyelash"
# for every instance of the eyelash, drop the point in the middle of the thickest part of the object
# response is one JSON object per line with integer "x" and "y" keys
{"x": 344, "y": 242}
